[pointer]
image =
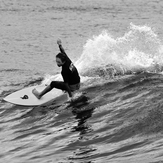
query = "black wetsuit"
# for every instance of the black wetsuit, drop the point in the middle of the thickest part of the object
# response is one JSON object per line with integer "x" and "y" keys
{"x": 70, "y": 76}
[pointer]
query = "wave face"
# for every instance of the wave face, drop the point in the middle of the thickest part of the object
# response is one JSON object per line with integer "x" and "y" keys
{"x": 118, "y": 121}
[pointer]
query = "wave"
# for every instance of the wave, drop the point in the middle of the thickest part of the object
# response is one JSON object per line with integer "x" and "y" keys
{"x": 133, "y": 104}
{"x": 50, "y": 6}
{"x": 139, "y": 50}
{"x": 10, "y": 70}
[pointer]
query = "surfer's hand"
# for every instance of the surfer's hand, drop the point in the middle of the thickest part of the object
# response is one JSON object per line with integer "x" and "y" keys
{"x": 59, "y": 42}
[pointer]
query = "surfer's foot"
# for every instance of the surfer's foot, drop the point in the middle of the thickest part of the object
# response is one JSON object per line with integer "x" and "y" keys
{"x": 36, "y": 93}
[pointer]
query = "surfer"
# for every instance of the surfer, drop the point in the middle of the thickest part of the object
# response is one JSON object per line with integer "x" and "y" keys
{"x": 71, "y": 78}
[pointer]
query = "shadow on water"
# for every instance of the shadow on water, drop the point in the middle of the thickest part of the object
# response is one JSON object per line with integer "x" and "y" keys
{"x": 82, "y": 117}
{"x": 81, "y": 150}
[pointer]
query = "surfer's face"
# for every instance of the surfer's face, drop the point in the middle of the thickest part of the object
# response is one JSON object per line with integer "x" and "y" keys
{"x": 59, "y": 62}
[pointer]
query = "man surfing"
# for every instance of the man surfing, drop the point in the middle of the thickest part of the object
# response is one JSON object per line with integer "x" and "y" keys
{"x": 71, "y": 78}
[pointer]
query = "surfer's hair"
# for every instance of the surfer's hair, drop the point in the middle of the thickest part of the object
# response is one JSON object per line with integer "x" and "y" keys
{"x": 61, "y": 56}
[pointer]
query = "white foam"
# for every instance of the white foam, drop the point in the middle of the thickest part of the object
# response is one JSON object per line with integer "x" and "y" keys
{"x": 139, "y": 48}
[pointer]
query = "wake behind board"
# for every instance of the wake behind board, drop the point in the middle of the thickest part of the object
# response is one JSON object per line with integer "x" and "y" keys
{"x": 25, "y": 96}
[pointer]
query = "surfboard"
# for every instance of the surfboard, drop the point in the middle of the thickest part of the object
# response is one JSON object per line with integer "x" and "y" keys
{"x": 25, "y": 96}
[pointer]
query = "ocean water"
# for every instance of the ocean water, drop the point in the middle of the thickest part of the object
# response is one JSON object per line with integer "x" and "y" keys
{"x": 117, "y": 47}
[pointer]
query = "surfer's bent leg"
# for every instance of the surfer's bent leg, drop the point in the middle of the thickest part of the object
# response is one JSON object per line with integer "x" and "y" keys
{"x": 54, "y": 84}
{"x": 61, "y": 85}
{"x": 46, "y": 90}
{"x": 58, "y": 85}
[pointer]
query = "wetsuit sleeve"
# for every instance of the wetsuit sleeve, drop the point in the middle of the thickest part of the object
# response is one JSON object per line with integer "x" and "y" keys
{"x": 61, "y": 49}
{"x": 63, "y": 52}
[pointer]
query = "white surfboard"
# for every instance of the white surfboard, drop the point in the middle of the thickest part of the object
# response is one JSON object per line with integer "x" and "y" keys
{"x": 25, "y": 96}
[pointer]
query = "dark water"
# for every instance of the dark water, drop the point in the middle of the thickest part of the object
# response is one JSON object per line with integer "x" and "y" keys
{"x": 121, "y": 121}
{"x": 117, "y": 48}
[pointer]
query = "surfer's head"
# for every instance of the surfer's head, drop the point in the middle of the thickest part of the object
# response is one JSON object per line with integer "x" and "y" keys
{"x": 60, "y": 59}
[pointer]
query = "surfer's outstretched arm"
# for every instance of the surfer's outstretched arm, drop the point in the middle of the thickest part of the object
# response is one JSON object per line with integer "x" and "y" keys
{"x": 61, "y": 48}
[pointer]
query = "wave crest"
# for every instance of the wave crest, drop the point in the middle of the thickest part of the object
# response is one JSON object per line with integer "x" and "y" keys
{"x": 138, "y": 50}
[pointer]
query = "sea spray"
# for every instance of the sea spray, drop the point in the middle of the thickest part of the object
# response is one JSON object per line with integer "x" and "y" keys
{"x": 138, "y": 50}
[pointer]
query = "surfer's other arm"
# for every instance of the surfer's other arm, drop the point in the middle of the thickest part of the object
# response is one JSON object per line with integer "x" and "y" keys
{"x": 61, "y": 48}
